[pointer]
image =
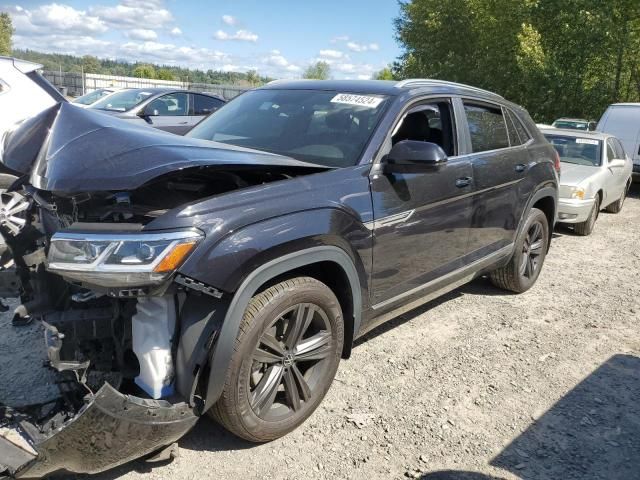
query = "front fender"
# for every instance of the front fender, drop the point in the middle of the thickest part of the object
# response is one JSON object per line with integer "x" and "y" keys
{"x": 223, "y": 351}
{"x": 225, "y": 264}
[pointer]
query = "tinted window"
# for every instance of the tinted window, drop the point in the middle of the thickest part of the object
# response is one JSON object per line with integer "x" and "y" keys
{"x": 323, "y": 127}
{"x": 514, "y": 138}
{"x": 203, "y": 105}
{"x": 580, "y": 151}
{"x": 431, "y": 122}
{"x": 522, "y": 132}
{"x": 487, "y": 127}
{"x": 172, "y": 105}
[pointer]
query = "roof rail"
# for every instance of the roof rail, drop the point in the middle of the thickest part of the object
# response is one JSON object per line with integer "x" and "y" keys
{"x": 427, "y": 82}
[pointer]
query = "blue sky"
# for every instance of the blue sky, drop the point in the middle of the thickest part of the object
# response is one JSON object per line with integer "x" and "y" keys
{"x": 278, "y": 38}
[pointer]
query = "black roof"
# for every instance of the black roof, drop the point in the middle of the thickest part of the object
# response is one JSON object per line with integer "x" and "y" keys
{"x": 382, "y": 87}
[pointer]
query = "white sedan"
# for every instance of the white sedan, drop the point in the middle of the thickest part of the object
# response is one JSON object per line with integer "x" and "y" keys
{"x": 595, "y": 175}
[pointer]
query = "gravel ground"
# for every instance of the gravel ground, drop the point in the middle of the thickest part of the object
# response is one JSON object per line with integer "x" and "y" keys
{"x": 543, "y": 385}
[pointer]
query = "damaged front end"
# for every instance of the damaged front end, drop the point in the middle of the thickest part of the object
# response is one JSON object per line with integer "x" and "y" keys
{"x": 127, "y": 336}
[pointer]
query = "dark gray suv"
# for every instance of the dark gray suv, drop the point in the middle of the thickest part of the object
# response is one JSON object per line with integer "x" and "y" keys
{"x": 229, "y": 271}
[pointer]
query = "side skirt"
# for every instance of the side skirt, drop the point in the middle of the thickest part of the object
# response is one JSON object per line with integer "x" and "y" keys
{"x": 433, "y": 289}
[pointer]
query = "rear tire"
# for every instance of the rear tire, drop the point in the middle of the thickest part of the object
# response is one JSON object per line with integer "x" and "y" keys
{"x": 530, "y": 250}
{"x": 586, "y": 228}
{"x": 285, "y": 358}
{"x": 616, "y": 206}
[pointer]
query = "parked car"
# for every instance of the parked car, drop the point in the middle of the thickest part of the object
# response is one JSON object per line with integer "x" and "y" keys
{"x": 23, "y": 93}
{"x": 623, "y": 121}
{"x": 574, "y": 124}
{"x": 227, "y": 272}
{"x": 596, "y": 175}
{"x": 175, "y": 111}
{"x": 93, "y": 96}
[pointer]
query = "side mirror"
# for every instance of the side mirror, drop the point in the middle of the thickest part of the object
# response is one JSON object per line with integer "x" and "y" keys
{"x": 592, "y": 126}
{"x": 410, "y": 156}
{"x": 617, "y": 163}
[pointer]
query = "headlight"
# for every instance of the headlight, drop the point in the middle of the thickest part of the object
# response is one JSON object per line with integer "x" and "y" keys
{"x": 577, "y": 193}
{"x": 120, "y": 260}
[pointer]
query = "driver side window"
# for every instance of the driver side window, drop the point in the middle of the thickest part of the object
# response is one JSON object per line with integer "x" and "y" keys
{"x": 611, "y": 155}
{"x": 173, "y": 105}
{"x": 429, "y": 122}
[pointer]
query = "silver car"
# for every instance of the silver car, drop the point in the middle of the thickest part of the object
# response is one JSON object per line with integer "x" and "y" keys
{"x": 595, "y": 175}
{"x": 175, "y": 111}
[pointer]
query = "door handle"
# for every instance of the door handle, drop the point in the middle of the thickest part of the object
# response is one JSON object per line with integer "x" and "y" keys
{"x": 521, "y": 167}
{"x": 463, "y": 182}
{"x": 183, "y": 123}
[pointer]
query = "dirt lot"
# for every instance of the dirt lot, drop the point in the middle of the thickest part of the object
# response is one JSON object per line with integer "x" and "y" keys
{"x": 545, "y": 385}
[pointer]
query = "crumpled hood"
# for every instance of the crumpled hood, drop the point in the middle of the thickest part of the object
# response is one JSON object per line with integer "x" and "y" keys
{"x": 70, "y": 149}
{"x": 572, "y": 174}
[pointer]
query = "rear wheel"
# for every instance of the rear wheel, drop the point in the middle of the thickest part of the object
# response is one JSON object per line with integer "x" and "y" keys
{"x": 286, "y": 356}
{"x": 616, "y": 206}
{"x": 530, "y": 250}
{"x": 585, "y": 228}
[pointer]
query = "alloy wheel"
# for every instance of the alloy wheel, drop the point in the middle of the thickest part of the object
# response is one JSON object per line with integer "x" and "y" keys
{"x": 532, "y": 249}
{"x": 289, "y": 362}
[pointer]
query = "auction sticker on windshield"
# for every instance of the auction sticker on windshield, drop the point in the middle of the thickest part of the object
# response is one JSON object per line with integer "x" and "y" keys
{"x": 359, "y": 100}
{"x": 587, "y": 141}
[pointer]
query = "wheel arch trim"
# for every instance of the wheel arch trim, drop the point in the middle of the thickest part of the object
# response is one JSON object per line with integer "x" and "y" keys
{"x": 221, "y": 356}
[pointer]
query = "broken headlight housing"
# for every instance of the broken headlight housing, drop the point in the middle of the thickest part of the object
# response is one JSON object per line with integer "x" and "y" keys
{"x": 120, "y": 260}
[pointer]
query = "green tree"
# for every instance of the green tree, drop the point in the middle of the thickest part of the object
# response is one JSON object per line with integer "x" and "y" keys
{"x": 253, "y": 78}
{"x": 165, "y": 74}
{"x": 6, "y": 32}
{"x": 144, "y": 70}
{"x": 555, "y": 58}
{"x": 91, "y": 64}
{"x": 318, "y": 71}
{"x": 384, "y": 74}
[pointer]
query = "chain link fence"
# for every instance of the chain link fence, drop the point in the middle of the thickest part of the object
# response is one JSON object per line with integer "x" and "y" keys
{"x": 76, "y": 84}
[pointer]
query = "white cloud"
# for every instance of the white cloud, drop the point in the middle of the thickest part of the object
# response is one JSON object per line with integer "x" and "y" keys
{"x": 331, "y": 53}
{"x": 361, "y": 47}
{"x": 240, "y": 35}
{"x": 54, "y": 18}
{"x": 229, "y": 20}
{"x": 175, "y": 32}
{"x": 168, "y": 52}
{"x": 131, "y": 13}
{"x": 142, "y": 34}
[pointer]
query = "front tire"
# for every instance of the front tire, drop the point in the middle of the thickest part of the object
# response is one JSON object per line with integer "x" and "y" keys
{"x": 285, "y": 358}
{"x": 530, "y": 250}
{"x": 586, "y": 228}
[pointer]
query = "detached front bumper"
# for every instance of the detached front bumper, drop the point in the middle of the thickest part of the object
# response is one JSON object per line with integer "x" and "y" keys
{"x": 110, "y": 430}
{"x": 573, "y": 210}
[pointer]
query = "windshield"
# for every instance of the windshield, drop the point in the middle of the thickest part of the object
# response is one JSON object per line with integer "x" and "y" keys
{"x": 122, "y": 101}
{"x": 91, "y": 97}
{"x": 328, "y": 128}
{"x": 579, "y": 151}
{"x": 572, "y": 125}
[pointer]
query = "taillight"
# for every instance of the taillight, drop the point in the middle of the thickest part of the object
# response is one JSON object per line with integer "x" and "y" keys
{"x": 556, "y": 163}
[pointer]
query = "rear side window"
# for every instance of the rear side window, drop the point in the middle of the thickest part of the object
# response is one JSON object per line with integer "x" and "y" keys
{"x": 523, "y": 134}
{"x": 203, "y": 105}
{"x": 487, "y": 127}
